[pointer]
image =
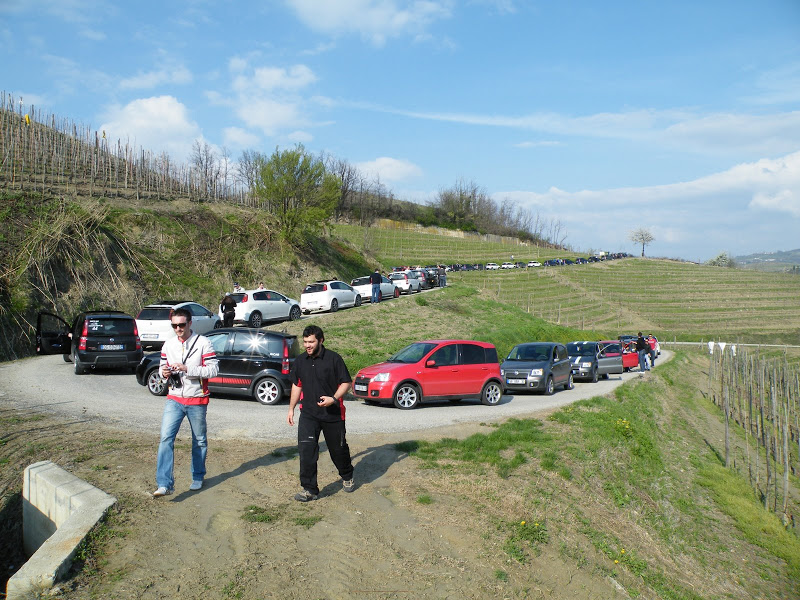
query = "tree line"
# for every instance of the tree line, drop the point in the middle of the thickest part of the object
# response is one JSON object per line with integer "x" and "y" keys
{"x": 300, "y": 190}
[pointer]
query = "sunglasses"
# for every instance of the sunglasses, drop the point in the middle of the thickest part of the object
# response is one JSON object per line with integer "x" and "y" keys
{"x": 176, "y": 325}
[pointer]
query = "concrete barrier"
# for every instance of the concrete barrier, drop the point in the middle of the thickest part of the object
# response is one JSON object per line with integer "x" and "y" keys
{"x": 58, "y": 511}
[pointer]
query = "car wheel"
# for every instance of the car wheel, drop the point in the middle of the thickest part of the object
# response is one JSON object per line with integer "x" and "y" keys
{"x": 255, "y": 319}
{"x": 268, "y": 391}
{"x": 156, "y": 384}
{"x": 396, "y": 292}
{"x": 67, "y": 358}
{"x": 491, "y": 393}
{"x": 549, "y": 388}
{"x": 380, "y": 296}
{"x": 570, "y": 383}
{"x": 406, "y": 396}
{"x": 79, "y": 369}
{"x": 594, "y": 375}
{"x": 294, "y": 313}
{"x": 334, "y": 305}
{"x": 218, "y": 325}
{"x": 358, "y": 300}
{"x": 606, "y": 376}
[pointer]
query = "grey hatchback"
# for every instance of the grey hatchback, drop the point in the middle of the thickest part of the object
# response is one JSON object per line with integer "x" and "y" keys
{"x": 589, "y": 361}
{"x": 537, "y": 367}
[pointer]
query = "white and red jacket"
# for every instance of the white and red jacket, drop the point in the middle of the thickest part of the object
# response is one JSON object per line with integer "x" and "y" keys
{"x": 198, "y": 355}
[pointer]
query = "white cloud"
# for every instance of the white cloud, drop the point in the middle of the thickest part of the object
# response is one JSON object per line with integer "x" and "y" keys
{"x": 92, "y": 34}
{"x": 175, "y": 75}
{"x": 239, "y": 138}
{"x": 302, "y": 137}
{"x": 784, "y": 201}
{"x": 160, "y": 123}
{"x": 543, "y": 143}
{"x": 390, "y": 169}
{"x": 375, "y": 20}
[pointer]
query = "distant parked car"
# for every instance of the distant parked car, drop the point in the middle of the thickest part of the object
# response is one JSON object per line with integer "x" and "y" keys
{"x": 534, "y": 263}
{"x": 492, "y": 266}
{"x": 364, "y": 288}
{"x": 422, "y": 275}
{"x": 153, "y": 321}
{"x": 94, "y": 339}
{"x": 256, "y": 307}
{"x": 328, "y": 295}
{"x": 537, "y": 366}
{"x": 433, "y": 370}
{"x": 252, "y": 362}
{"x": 406, "y": 281}
{"x": 508, "y": 265}
{"x": 590, "y": 361}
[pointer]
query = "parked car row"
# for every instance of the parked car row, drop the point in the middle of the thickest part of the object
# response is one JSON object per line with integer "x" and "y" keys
{"x": 554, "y": 262}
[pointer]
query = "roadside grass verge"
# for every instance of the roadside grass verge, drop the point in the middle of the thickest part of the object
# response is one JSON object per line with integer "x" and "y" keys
{"x": 629, "y": 485}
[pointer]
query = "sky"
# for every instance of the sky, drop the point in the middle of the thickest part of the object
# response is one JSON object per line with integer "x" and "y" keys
{"x": 682, "y": 117}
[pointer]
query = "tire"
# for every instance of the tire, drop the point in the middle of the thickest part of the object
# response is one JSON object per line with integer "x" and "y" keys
{"x": 255, "y": 320}
{"x": 334, "y": 305}
{"x": 594, "y": 375}
{"x": 491, "y": 394}
{"x": 549, "y": 388}
{"x": 606, "y": 376}
{"x": 358, "y": 300}
{"x": 407, "y": 396}
{"x": 218, "y": 325}
{"x": 267, "y": 391}
{"x": 79, "y": 369}
{"x": 396, "y": 292}
{"x": 570, "y": 383}
{"x": 156, "y": 384}
{"x": 67, "y": 358}
{"x": 294, "y": 313}
{"x": 380, "y": 296}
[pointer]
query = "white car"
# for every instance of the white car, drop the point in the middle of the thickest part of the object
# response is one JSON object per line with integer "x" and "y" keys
{"x": 508, "y": 265}
{"x": 255, "y": 307}
{"x": 154, "y": 321}
{"x": 328, "y": 295}
{"x": 364, "y": 287}
{"x": 534, "y": 263}
{"x": 406, "y": 281}
{"x": 492, "y": 266}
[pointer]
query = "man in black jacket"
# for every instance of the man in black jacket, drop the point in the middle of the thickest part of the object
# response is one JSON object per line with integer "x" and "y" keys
{"x": 321, "y": 378}
{"x": 643, "y": 348}
{"x": 375, "y": 280}
{"x": 228, "y": 308}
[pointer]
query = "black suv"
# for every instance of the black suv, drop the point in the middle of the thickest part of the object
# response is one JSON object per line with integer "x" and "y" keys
{"x": 252, "y": 362}
{"x": 96, "y": 338}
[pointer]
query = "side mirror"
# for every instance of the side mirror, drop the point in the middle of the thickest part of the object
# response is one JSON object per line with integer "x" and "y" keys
{"x": 430, "y": 363}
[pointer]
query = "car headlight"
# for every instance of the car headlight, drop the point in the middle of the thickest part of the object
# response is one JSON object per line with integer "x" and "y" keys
{"x": 537, "y": 372}
{"x": 381, "y": 377}
{"x": 586, "y": 365}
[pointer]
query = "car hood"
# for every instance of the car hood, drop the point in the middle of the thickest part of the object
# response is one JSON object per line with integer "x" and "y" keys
{"x": 384, "y": 367}
{"x": 523, "y": 365}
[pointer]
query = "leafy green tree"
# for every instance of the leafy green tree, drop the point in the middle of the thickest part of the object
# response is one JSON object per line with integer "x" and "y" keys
{"x": 297, "y": 189}
{"x": 723, "y": 259}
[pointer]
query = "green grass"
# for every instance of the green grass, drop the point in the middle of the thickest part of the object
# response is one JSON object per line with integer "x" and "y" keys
{"x": 258, "y": 514}
{"x": 308, "y": 522}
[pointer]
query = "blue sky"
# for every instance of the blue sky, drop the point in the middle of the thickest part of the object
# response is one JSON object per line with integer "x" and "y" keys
{"x": 682, "y": 116}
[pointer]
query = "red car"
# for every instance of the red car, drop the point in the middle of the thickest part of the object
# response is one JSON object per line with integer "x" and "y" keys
{"x": 433, "y": 370}
{"x": 630, "y": 358}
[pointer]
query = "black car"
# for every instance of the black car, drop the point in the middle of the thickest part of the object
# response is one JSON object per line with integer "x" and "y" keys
{"x": 95, "y": 339}
{"x": 252, "y": 362}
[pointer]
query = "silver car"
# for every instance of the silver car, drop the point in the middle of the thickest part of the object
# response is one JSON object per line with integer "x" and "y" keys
{"x": 328, "y": 295}
{"x": 589, "y": 361}
{"x": 406, "y": 281}
{"x": 364, "y": 287}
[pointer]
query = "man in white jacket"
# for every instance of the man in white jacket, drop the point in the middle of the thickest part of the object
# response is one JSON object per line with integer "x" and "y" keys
{"x": 187, "y": 362}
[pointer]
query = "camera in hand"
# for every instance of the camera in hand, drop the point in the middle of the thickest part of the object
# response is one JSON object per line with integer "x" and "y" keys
{"x": 175, "y": 380}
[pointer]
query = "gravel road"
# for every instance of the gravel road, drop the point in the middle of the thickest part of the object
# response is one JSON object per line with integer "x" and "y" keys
{"x": 48, "y": 384}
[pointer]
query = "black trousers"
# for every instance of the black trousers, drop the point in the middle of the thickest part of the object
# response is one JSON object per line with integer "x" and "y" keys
{"x": 308, "y": 430}
{"x": 227, "y": 319}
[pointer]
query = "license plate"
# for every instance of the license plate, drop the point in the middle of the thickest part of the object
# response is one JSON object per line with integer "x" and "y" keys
{"x": 149, "y": 336}
{"x": 360, "y": 388}
{"x": 111, "y": 346}
{"x": 516, "y": 381}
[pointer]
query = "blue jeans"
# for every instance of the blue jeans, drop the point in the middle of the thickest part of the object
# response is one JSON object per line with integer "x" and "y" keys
{"x": 376, "y": 292}
{"x": 643, "y": 360}
{"x": 174, "y": 412}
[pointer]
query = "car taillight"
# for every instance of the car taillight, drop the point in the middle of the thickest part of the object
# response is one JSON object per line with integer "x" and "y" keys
{"x": 84, "y": 335}
{"x": 244, "y": 298}
{"x": 136, "y": 335}
{"x": 285, "y": 362}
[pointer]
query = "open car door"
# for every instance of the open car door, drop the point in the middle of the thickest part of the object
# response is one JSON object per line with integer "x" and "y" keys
{"x": 608, "y": 365}
{"x": 52, "y": 334}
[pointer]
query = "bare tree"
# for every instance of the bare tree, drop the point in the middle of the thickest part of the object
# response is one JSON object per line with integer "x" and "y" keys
{"x": 204, "y": 161}
{"x": 641, "y": 236}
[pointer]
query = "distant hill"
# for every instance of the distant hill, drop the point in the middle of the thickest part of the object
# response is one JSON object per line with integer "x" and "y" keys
{"x": 770, "y": 261}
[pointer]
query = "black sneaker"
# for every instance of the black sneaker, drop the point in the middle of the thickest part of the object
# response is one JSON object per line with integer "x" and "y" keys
{"x": 305, "y": 496}
{"x": 348, "y": 485}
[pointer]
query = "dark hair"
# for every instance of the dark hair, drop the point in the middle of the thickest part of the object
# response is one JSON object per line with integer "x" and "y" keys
{"x": 640, "y": 334}
{"x": 314, "y": 330}
{"x": 182, "y": 312}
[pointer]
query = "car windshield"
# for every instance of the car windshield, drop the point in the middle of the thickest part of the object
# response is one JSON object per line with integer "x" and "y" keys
{"x": 104, "y": 326}
{"x": 413, "y": 353}
{"x": 360, "y": 281}
{"x": 532, "y": 352}
{"x": 581, "y": 349}
{"x": 154, "y": 314}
